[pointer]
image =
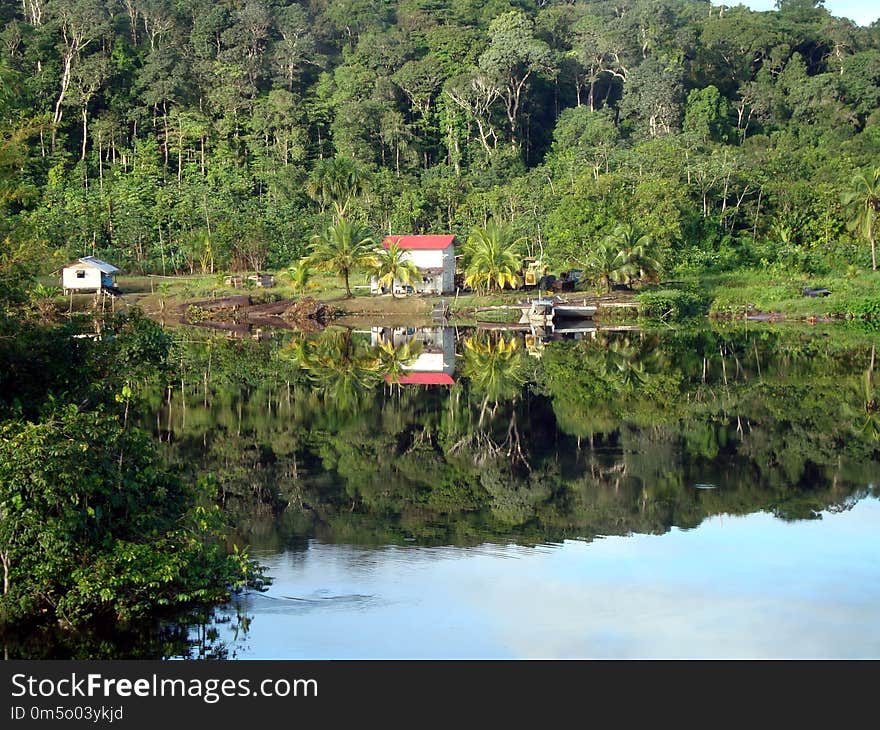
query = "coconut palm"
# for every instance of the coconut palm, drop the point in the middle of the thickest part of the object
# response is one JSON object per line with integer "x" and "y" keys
{"x": 336, "y": 181}
{"x": 626, "y": 364}
{"x": 638, "y": 251}
{"x": 496, "y": 367}
{"x": 872, "y": 402}
{"x": 863, "y": 202}
{"x": 300, "y": 275}
{"x": 394, "y": 264}
{"x": 492, "y": 257}
{"x": 394, "y": 361}
{"x": 342, "y": 248}
{"x": 606, "y": 263}
{"x": 342, "y": 370}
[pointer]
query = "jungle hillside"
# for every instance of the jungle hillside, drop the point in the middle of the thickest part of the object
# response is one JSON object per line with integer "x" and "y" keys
{"x": 200, "y": 136}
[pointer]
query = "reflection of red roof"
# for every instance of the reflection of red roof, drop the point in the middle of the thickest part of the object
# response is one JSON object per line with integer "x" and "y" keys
{"x": 422, "y": 379}
{"x": 419, "y": 242}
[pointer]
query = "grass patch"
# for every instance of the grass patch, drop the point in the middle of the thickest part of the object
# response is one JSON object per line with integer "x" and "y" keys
{"x": 770, "y": 291}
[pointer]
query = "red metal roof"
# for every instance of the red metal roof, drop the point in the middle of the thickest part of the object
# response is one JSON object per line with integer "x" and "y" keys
{"x": 419, "y": 242}
{"x": 422, "y": 379}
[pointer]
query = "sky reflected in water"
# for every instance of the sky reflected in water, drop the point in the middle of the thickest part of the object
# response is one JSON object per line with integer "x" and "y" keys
{"x": 752, "y": 586}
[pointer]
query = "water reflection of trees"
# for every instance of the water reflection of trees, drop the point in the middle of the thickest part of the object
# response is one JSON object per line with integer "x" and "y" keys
{"x": 197, "y": 634}
{"x": 601, "y": 436}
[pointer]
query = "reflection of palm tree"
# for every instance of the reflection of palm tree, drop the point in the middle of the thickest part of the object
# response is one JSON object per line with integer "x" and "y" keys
{"x": 872, "y": 402}
{"x": 342, "y": 369}
{"x": 495, "y": 367}
{"x": 626, "y": 363}
{"x": 394, "y": 361}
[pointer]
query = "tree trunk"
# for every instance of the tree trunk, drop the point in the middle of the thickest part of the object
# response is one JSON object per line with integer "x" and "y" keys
{"x": 100, "y": 163}
{"x": 873, "y": 251}
{"x": 4, "y": 558}
{"x": 347, "y": 286}
{"x": 65, "y": 84}
{"x": 85, "y": 118}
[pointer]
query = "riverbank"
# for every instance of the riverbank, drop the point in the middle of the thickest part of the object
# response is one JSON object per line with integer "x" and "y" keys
{"x": 746, "y": 294}
{"x": 168, "y": 299}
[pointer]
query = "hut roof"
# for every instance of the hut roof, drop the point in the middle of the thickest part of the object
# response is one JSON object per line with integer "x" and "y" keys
{"x": 420, "y": 242}
{"x": 95, "y": 263}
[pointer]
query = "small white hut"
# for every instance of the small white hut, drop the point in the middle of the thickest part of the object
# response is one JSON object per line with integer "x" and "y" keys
{"x": 88, "y": 274}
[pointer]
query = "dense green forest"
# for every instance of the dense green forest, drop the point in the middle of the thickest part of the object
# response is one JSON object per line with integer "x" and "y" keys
{"x": 198, "y": 136}
{"x": 188, "y": 135}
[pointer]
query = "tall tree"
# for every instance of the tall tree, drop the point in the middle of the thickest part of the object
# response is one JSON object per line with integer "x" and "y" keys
{"x": 513, "y": 56}
{"x": 653, "y": 95}
{"x": 863, "y": 202}
{"x": 343, "y": 248}
{"x": 81, "y": 23}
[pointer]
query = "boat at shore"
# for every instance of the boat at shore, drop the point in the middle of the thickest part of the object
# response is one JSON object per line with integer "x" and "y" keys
{"x": 547, "y": 312}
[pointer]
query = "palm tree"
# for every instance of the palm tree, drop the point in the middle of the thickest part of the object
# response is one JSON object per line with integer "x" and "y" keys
{"x": 394, "y": 361}
{"x": 300, "y": 275}
{"x": 197, "y": 247}
{"x": 492, "y": 257}
{"x": 496, "y": 367}
{"x": 394, "y": 264}
{"x": 872, "y": 402}
{"x": 336, "y": 181}
{"x": 863, "y": 201}
{"x": 342, "y": 248}
{"x": 607, "y": 263}
{"x": 637, "y": 249}
{"x": 343, "y": 371}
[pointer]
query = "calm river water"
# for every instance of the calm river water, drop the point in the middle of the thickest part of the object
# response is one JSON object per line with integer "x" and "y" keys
{"x": 744, "y": 586}
{"x": 448, "y": 493}
{"x": 440, "y": 492}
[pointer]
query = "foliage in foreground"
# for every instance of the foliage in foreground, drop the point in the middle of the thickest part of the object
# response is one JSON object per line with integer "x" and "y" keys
{"x": 92, "y": 526}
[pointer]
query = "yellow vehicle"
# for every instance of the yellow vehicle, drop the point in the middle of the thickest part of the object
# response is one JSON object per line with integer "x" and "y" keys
{"x": 533, "y": 271}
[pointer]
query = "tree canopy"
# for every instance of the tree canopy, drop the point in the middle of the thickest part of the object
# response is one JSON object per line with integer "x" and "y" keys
{"x": 145, "y": 131}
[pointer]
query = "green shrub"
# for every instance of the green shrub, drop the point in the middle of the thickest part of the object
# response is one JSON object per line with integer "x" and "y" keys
{"x": 670, "y": 304}
{"x": 864, "y": 308}
{"x": 196, "y": 314}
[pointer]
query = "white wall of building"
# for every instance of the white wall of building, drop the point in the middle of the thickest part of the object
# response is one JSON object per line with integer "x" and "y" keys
{"x": 427, "y": 259}
{"x": 438, "y": 283}
{"x": 80, "y": 277}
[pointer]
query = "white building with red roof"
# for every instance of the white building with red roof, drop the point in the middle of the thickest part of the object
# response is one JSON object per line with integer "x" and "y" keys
{"x": 435, "y": 258}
